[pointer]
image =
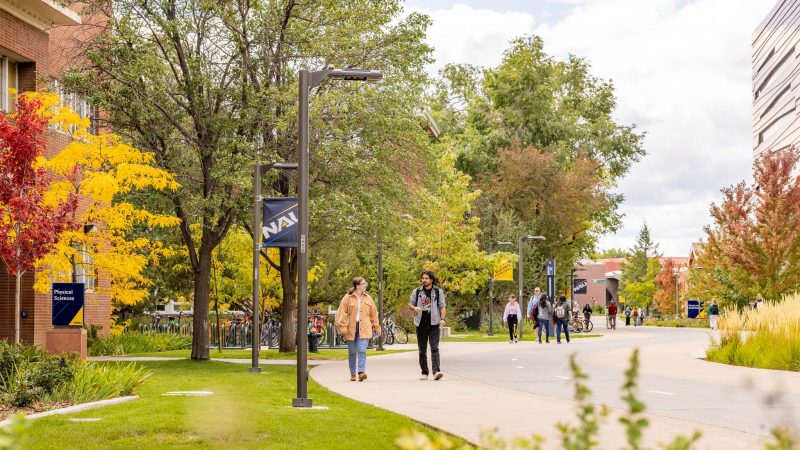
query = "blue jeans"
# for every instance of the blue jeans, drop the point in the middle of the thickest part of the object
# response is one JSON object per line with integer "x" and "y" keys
{"x": 544, "y": 323}
{"x": 357, "y": 347}
{"x": 562, "y": 323}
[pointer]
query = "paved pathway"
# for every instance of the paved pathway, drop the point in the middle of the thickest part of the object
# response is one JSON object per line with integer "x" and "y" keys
{"x": 525, "y": 388}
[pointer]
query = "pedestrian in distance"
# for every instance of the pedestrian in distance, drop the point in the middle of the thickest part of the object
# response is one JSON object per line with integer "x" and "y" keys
{"x": 636, "y": 317}
{"x": 612, "y": 315}
{"x": 576, "y": 308}
{"x": 356, "y": 320}
{"x": 511, "y": 317}
{"x": 562, "y": 314}
{"x": 545, "y": 311}
{"x": 427, "y": 302}
{"x": 534, "y": 301}
{"x": 627, "y": 315}
{"x": 713, "y": 314}
{"x": 587, "y": 312}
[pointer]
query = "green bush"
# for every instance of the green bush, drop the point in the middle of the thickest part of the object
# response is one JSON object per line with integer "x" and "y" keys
{"x": 99, "y": 381}
{"x": 681, "y": 322}
{"x": 598, "y": 309}
{"x": 132, "y": 342}
{"x": 28, "y": 374}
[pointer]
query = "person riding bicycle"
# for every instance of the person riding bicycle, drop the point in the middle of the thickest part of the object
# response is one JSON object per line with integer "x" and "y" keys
{"x": 587, "y": 312}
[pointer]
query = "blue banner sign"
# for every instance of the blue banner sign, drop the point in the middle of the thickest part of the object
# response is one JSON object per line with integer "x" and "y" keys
{"x": 551, "y": 279}
{"x": 693, "y": 308}
{"x": 67, "y": 304}
{"x": 279, "y": 228}
{"x": 579, "y": 286}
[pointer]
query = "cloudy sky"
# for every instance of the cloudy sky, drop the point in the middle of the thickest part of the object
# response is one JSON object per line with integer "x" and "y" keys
{"x": 682, "y": 73}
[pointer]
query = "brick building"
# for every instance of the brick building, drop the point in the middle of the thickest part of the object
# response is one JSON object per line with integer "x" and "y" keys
{"x": 37, "y": 39}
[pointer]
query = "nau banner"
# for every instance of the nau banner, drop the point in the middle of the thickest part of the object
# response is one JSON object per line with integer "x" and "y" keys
{"x": 279, "y": 228}
{"x": 579, "y": 286}
{"x": 503, "y": 271}
{"x": 551, "y": 279}
{"x": 67, "y": 304}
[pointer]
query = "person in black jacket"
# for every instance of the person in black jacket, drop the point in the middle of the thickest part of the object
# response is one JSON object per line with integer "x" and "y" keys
{"x": 587, "y": 312}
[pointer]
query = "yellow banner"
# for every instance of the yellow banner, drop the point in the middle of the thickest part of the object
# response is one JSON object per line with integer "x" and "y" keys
{"x": 503, "y": 271}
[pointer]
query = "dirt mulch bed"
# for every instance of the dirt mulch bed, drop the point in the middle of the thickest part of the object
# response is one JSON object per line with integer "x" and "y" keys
{"x": 6, "y": 410}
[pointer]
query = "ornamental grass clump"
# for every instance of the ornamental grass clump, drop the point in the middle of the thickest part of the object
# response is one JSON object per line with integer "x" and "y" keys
{"x": 768, "y": 337}
{"x": 99, "y": 381}
{"x": 132, "y": 342}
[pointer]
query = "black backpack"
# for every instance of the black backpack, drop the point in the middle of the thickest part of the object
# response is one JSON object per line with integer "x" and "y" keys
{"x": 714, "y": 310}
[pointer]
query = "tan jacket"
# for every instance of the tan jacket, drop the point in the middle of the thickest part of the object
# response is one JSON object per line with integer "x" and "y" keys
{"x": 346, "y": 317}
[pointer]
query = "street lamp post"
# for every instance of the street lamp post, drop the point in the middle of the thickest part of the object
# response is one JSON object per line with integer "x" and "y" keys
{"x": 491, "y": 294}
{"x": 307, "y": 81}
{"x": 676, "y": 273}
{"x": 257, "y": 173}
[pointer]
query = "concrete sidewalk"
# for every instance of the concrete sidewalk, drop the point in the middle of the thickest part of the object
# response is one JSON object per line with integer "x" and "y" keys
{"x": 464, "y": 407}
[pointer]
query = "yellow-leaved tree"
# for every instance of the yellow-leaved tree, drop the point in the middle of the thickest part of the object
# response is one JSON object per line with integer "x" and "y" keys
{"x": 102, "y": 167}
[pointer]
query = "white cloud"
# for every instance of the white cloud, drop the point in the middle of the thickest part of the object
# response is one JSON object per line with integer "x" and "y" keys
{"x": 681, "y": 70}
{"x": 683, "y": 74}
{"x": 462, "y": 34}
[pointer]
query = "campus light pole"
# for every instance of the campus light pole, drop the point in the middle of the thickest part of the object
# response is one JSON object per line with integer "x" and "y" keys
{"x": 521, "y": 240}
{"x": 491, "y": 294}
{"x": 309, "y": 80}
{"x": 675, "y": 273}
{"x": 258, "y": 171}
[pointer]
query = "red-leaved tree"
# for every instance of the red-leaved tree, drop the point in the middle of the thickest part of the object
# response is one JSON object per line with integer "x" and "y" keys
{"x": 29, "y": 226}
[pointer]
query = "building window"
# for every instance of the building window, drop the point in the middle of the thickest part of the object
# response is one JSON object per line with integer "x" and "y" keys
{"x": 9, "y": 79}
{"x": 75, "y": 102}
{"x": 776, "y": 126}
{"x": 777, "y": 74}
{"x": 84, "y": 269}
{"x": 779, "y": 100}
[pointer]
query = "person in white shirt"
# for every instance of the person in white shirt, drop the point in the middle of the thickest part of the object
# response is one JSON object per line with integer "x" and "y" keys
{"x": 511, "y": 317}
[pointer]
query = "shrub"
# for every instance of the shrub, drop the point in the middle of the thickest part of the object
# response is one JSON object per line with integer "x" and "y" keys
{"x": 681, "y": 322}
{"x": 768, "y": 338}
{"x": 132, "y": 342}
{"x": 99, "y": 381}
{"x": 28, "y": 374}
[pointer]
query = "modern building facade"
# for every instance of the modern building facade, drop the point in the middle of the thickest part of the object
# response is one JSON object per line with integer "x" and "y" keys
{"x": 37, "y": 39}
{"x": 776, "y": 72}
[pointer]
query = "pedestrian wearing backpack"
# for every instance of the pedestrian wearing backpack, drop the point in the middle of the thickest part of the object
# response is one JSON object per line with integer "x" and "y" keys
{"x": 612, "y": 315}
{"x": 511, "y": 317}
{"x": 356, "y": 319}
{"x": 532, "y": 314}
{"x": 545, "y": 310}
{"x": 562, "y": 314}
{"x": 713, "y": 314}
{"x": 627, "y": 315}
{"x": 427, "y": 302}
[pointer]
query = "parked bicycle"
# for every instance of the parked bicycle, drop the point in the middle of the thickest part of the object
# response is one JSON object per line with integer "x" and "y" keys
{"x": 393, "y": 332}
{"x": 318, "y": 326}
{"x": 271, "y": 334}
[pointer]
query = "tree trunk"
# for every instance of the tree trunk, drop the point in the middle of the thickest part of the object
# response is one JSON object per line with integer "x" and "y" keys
{"x": 202, "y": 287}
{"x": 16, "y": 307}
{"x": 289, "y": 304}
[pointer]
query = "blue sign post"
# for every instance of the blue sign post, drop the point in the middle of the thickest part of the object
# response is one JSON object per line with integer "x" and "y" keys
{"x": 67, "y": 304}
{"x": 551, "y": 289}
{"x": 693, "y": 308}
{"x": 279, "y": 228}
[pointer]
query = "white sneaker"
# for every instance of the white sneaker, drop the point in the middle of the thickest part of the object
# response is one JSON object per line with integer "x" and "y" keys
{"x": 438, "y": 376}
{"x": 510, "y": 342}
{"x": 423, "y": 377}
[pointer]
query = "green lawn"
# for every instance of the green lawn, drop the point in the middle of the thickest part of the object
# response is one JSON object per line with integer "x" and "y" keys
{"x": 246, "y": 411}
{"x": 331, "y": 354}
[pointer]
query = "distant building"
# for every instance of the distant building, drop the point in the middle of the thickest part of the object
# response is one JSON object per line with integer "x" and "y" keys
{"x": 776, "y": 72}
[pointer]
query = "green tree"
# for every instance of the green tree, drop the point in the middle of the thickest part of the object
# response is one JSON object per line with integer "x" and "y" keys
{"x": 638, "y": 282}
{"x": 753, "y": 246}
{"x": 537, "y": 135}
{"x": 610, "y": 253}
{"x": 211, "y": 87}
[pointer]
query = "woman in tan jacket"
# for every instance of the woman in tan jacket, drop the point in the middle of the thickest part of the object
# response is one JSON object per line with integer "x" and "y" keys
{"x": 356, "y": 319}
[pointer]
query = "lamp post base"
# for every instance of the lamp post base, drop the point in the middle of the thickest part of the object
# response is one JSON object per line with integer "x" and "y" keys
{"x": 301, "y": 402}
